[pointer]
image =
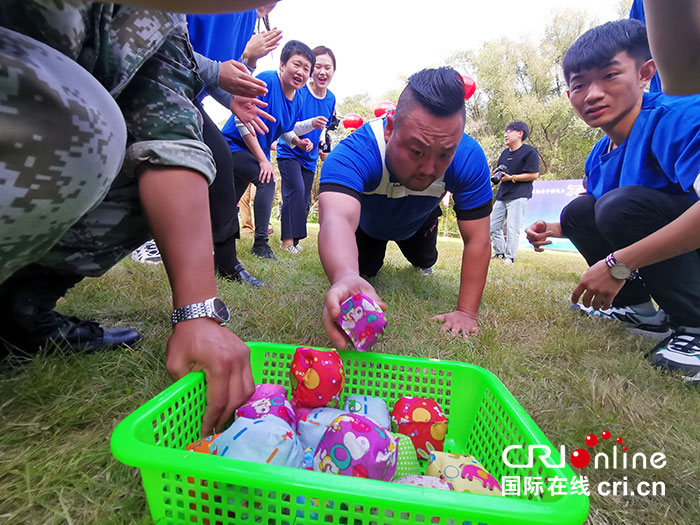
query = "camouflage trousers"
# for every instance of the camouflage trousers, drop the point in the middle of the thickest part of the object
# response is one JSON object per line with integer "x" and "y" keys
{"x": 63, "y": 202}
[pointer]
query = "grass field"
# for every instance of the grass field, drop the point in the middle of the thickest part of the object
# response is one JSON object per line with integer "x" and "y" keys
{"x": 575, "y": 376}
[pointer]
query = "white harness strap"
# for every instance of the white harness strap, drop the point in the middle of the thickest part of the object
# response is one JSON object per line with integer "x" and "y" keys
{"x": 394, "y": 190}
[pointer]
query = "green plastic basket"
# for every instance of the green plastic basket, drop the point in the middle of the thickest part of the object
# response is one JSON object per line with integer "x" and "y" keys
{"x": 484, "y": 418}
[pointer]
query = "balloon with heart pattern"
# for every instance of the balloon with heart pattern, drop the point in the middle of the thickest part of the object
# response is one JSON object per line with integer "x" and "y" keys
{"x": 355, "y": 445}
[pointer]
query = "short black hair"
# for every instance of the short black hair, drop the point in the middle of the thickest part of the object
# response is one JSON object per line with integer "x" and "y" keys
{"x": 323, "y": 50}
{"x": 597, "y": 47}
{"x": 440, "y": 91}
{"x": 519, "y": 125}
{"x": 295, "y": 47}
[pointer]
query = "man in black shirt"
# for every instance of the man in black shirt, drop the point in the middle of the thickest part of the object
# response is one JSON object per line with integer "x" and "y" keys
{"x": 522, "y": 163}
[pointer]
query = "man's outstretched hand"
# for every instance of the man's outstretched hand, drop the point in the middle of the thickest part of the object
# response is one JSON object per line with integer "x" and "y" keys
{"x": 538, "y": 233}
{"x": 339, "y": 292}
{"x": 249, "y": 111}
{"x": 235, "y": 78}
{"x": 458, "y": 323}
{"x": 203, "y": 344}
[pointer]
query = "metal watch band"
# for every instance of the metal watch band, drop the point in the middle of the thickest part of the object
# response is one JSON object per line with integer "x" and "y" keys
{"x": 191, "y": 311}
{"x": 213, "y": 308}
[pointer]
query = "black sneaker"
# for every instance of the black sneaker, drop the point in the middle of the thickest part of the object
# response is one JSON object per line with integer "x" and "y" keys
{"x": 262, "y": 250}
{"x": 239, "y": 273}
{"x": 498, "y": 256}
{"x": 656, "y": 322}
{"x": 70, "y": 334}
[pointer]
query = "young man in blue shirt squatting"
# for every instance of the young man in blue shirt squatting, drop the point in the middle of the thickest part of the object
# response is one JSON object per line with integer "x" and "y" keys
{"x": 385, "y": 182}
{"x": 641, "y": 176}
{"x": 251, "y": 154}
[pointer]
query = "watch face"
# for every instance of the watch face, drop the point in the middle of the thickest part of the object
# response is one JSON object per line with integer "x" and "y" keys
{"x": 620, "y": 271}
{"x": 221, "y": 310}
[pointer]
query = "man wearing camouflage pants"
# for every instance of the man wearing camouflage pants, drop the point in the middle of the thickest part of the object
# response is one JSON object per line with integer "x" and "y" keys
{"x": 100, "y": 148}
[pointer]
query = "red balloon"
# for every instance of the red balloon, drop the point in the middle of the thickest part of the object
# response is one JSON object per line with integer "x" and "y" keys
{"x": 383, "y": 108}
{"x": 352, "y": 121}
{"x": 469, "y": 86}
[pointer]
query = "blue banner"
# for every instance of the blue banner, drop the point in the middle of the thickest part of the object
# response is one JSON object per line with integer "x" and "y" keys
{"x": 548, "y": 199}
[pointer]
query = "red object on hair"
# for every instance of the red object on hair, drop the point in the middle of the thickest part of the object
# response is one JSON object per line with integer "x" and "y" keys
{"x": 352, "y": 121}
{"x": 469, "y": 86}
{"x": 383, "y": 108}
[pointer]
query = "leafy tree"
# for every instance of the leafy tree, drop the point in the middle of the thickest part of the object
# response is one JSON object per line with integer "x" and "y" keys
{"x": 623, "y": 8}
{"x": 517, "y": 80}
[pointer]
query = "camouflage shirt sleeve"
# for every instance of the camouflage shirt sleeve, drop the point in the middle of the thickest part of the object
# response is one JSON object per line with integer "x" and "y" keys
{"x": 164, "y": 128}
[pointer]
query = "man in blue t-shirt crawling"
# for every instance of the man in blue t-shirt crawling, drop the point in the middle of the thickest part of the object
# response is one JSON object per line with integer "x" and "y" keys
{"x": 642, "y": 175}
{"x": 385, "y": 182}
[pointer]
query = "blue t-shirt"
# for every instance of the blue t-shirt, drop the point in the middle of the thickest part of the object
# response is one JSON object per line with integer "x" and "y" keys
{"x": 637, "y": 13}
{"x": 662, "y": 151}
{"x": 311, "y": 106}
{"x": 285, "y": 111}
{"x": 223, "y": 36}
{"x": 356, "y": 164}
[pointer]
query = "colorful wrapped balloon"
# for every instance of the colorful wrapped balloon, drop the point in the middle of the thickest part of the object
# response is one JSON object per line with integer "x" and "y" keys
{"x": 317, "y": 377}
{"x": 357, "y": 446}
{"x": 268, "y": 400}
{"x": 202, "y": 445}
{"x": 363, "y": 320}
{"x": 368, "y": 406}
{"x": 463, "y": 474}
{"x": 265, "y": 440}
{"x": 313, "y": 425}
{"x": 407, "y": 461}
{"x": 422, "y": 420}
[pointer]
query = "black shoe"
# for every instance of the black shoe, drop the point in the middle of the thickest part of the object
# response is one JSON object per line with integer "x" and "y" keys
{"x": 498, "y": 256}
{"x": 27, "y": 302}
{"x": 262, "y": 250}
{"x": 240, "y": 274}
{"x": 71, "y": 334}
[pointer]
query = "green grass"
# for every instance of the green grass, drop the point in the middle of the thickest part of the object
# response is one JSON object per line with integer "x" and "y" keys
{"x": 573, "y": 375}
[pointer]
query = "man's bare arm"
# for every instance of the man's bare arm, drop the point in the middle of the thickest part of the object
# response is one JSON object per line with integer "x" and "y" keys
{"x": 177, "y": 206}
{"x": 339, "y": 216}
{"x": 674, "y": 37}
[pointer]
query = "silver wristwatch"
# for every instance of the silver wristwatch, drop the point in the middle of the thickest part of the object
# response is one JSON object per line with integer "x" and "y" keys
{"x": 214, "y": 308}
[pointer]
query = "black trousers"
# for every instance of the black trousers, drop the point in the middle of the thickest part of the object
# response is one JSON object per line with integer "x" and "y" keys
{"x": 223, "y": 197}
{"x": 420, "y": 249}
{"x": 296, "y": 197}
{"x": 246, "y": 170}
{"x": 622, "y": 217}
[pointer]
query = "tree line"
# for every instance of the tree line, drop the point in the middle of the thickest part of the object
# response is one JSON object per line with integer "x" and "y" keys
{"x": 519, "y": 80}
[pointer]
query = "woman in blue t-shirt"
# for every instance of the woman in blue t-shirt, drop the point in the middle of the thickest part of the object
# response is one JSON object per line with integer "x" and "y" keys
{"x": 251, "y": 154}
{"x": 297, "y": 165}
